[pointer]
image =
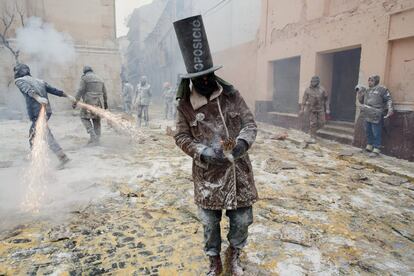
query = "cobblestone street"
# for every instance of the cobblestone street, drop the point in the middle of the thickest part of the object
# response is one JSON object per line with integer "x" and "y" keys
{"x": 127, "y": 209}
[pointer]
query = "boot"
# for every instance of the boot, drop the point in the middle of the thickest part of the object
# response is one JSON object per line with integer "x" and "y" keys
{"x": 93, "y": 140}
{"x": 63, "y": 158}
{"x": 233, "y": 261}
{"x": 216, "y": 267}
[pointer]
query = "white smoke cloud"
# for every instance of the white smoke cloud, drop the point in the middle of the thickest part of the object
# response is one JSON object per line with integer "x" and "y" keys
{"x": 42, "y": 47}
{"x": 40, "y": 40}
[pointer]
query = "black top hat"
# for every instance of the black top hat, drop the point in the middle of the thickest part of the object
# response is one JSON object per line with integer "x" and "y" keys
{"x": 193, "y": 42}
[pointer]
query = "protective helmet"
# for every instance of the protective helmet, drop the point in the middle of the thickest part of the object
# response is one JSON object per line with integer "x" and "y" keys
{"x": 315, "y": 81}
{"x": 21, "y": 70}
{"x": 87, "y": 69}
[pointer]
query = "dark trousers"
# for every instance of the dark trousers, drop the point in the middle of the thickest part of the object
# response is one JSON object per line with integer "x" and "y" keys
{"x": 127, "y": 107}
{"x": 168, "y": 110}
{"x": 317, "y": 121}
{"x": 51, "y": 141}
{"x": 240, "y": 219}
{"x": 143, "y": 112}
{"x": 374, "y": 133}
{"x": 93, "y": 127}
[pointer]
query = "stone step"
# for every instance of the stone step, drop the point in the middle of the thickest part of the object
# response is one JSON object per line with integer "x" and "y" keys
{"x": 335, "y": 136}
{"x": 342, "y": 124}
{"x": 339, "y": 129}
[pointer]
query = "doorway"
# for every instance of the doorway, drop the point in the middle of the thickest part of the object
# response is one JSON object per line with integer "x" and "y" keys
{"x": 345, "y": 74}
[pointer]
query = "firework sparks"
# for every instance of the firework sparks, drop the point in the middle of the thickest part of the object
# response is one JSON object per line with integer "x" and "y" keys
{"x": 37, "y": 174}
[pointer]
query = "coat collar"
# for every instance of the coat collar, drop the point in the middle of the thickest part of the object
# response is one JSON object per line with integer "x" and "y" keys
{"x": 197, "y": 100}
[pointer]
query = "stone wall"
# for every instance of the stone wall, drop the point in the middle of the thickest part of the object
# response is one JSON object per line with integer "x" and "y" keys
{"x": 91, "y": 26}
{"x": 315, "y": 30}
{"x": 239, "y": 68}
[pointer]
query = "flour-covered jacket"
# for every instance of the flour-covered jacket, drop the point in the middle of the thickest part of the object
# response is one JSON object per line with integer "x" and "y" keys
{"x": 92, "y": 91}
{"x": 127, "y": 92}
{"x": 143, "y": 95}
{"x": 199, "y": 125}
{"x": 30, "y": 87}
{"x": 375, "y": 101}
{"x": 168, "y": 95}
{"x": 315, "y": 99}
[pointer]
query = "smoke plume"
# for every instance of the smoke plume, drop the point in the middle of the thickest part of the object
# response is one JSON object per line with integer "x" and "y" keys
{"x": 46, "y": 51}
{"x": 39, "y": 40}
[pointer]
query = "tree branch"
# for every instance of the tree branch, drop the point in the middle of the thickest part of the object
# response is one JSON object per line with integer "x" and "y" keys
{"x": 8, "y": 19}
{"x": 21, "y": 13}
{"x": 7, "y": 24}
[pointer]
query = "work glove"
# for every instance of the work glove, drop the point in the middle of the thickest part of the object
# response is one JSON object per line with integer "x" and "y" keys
{"x": 213, "y": 156}
{"x": 389, "y": 114}
{"x": 240, "y": 149}
{"x": 360, "y": 88}
{"x": 105, "y": 105}
{"x": 41, "y": 100}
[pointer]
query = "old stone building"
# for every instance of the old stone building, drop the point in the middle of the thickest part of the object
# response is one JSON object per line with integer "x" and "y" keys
{"x": 141, "y": 23}
{"x": 154, "y": 49}
{"x": 343, "y": 42}
{"x": 90, "y": 25}
{"x": 271, "y": 49}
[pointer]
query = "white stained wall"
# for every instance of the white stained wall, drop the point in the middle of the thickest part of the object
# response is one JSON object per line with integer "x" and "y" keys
{"x": 231, "y": 23}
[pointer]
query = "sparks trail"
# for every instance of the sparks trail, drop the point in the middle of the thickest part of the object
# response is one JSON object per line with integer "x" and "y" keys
{"x": 36, "y": 175}
{"x": 116, "y": 121}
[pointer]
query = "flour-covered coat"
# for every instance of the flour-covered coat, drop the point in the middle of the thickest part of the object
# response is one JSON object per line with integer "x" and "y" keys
{"x": 199, "y": 125}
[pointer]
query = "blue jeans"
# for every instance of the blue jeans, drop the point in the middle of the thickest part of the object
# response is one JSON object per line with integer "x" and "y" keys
{"x": 374, "y": 133}
{"x": 240, "y": 219}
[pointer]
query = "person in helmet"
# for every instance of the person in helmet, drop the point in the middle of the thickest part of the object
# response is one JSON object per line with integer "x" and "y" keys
{"x": 92, "y": 91}
{"x": 142, "y": 100}
{"x": 315, "y": 99}
{"x": 168, "y": 95}
{"x": 35, "y": 92}
{"x": 127, "y": 93}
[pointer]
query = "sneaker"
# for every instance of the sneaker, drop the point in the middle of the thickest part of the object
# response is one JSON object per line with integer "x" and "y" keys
{"x": 369, "y": 148}
{"x": 375, "y": 153}
{"x": 92, "y": 142}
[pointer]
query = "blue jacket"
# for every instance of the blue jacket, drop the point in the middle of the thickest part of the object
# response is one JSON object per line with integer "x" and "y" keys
{"x": 29, "y": 87}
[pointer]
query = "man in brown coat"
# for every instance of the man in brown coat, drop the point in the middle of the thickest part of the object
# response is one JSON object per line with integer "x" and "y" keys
{"x": 216, "y": 128}
{"x": 315, "y": 99}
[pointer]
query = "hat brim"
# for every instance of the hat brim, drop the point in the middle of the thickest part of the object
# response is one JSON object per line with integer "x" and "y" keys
{"x": 201, "y": 73}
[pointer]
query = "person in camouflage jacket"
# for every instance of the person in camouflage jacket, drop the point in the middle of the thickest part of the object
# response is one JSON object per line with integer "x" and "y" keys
{"x": 92, "y": 91}
{"x": 315, "y": 99}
